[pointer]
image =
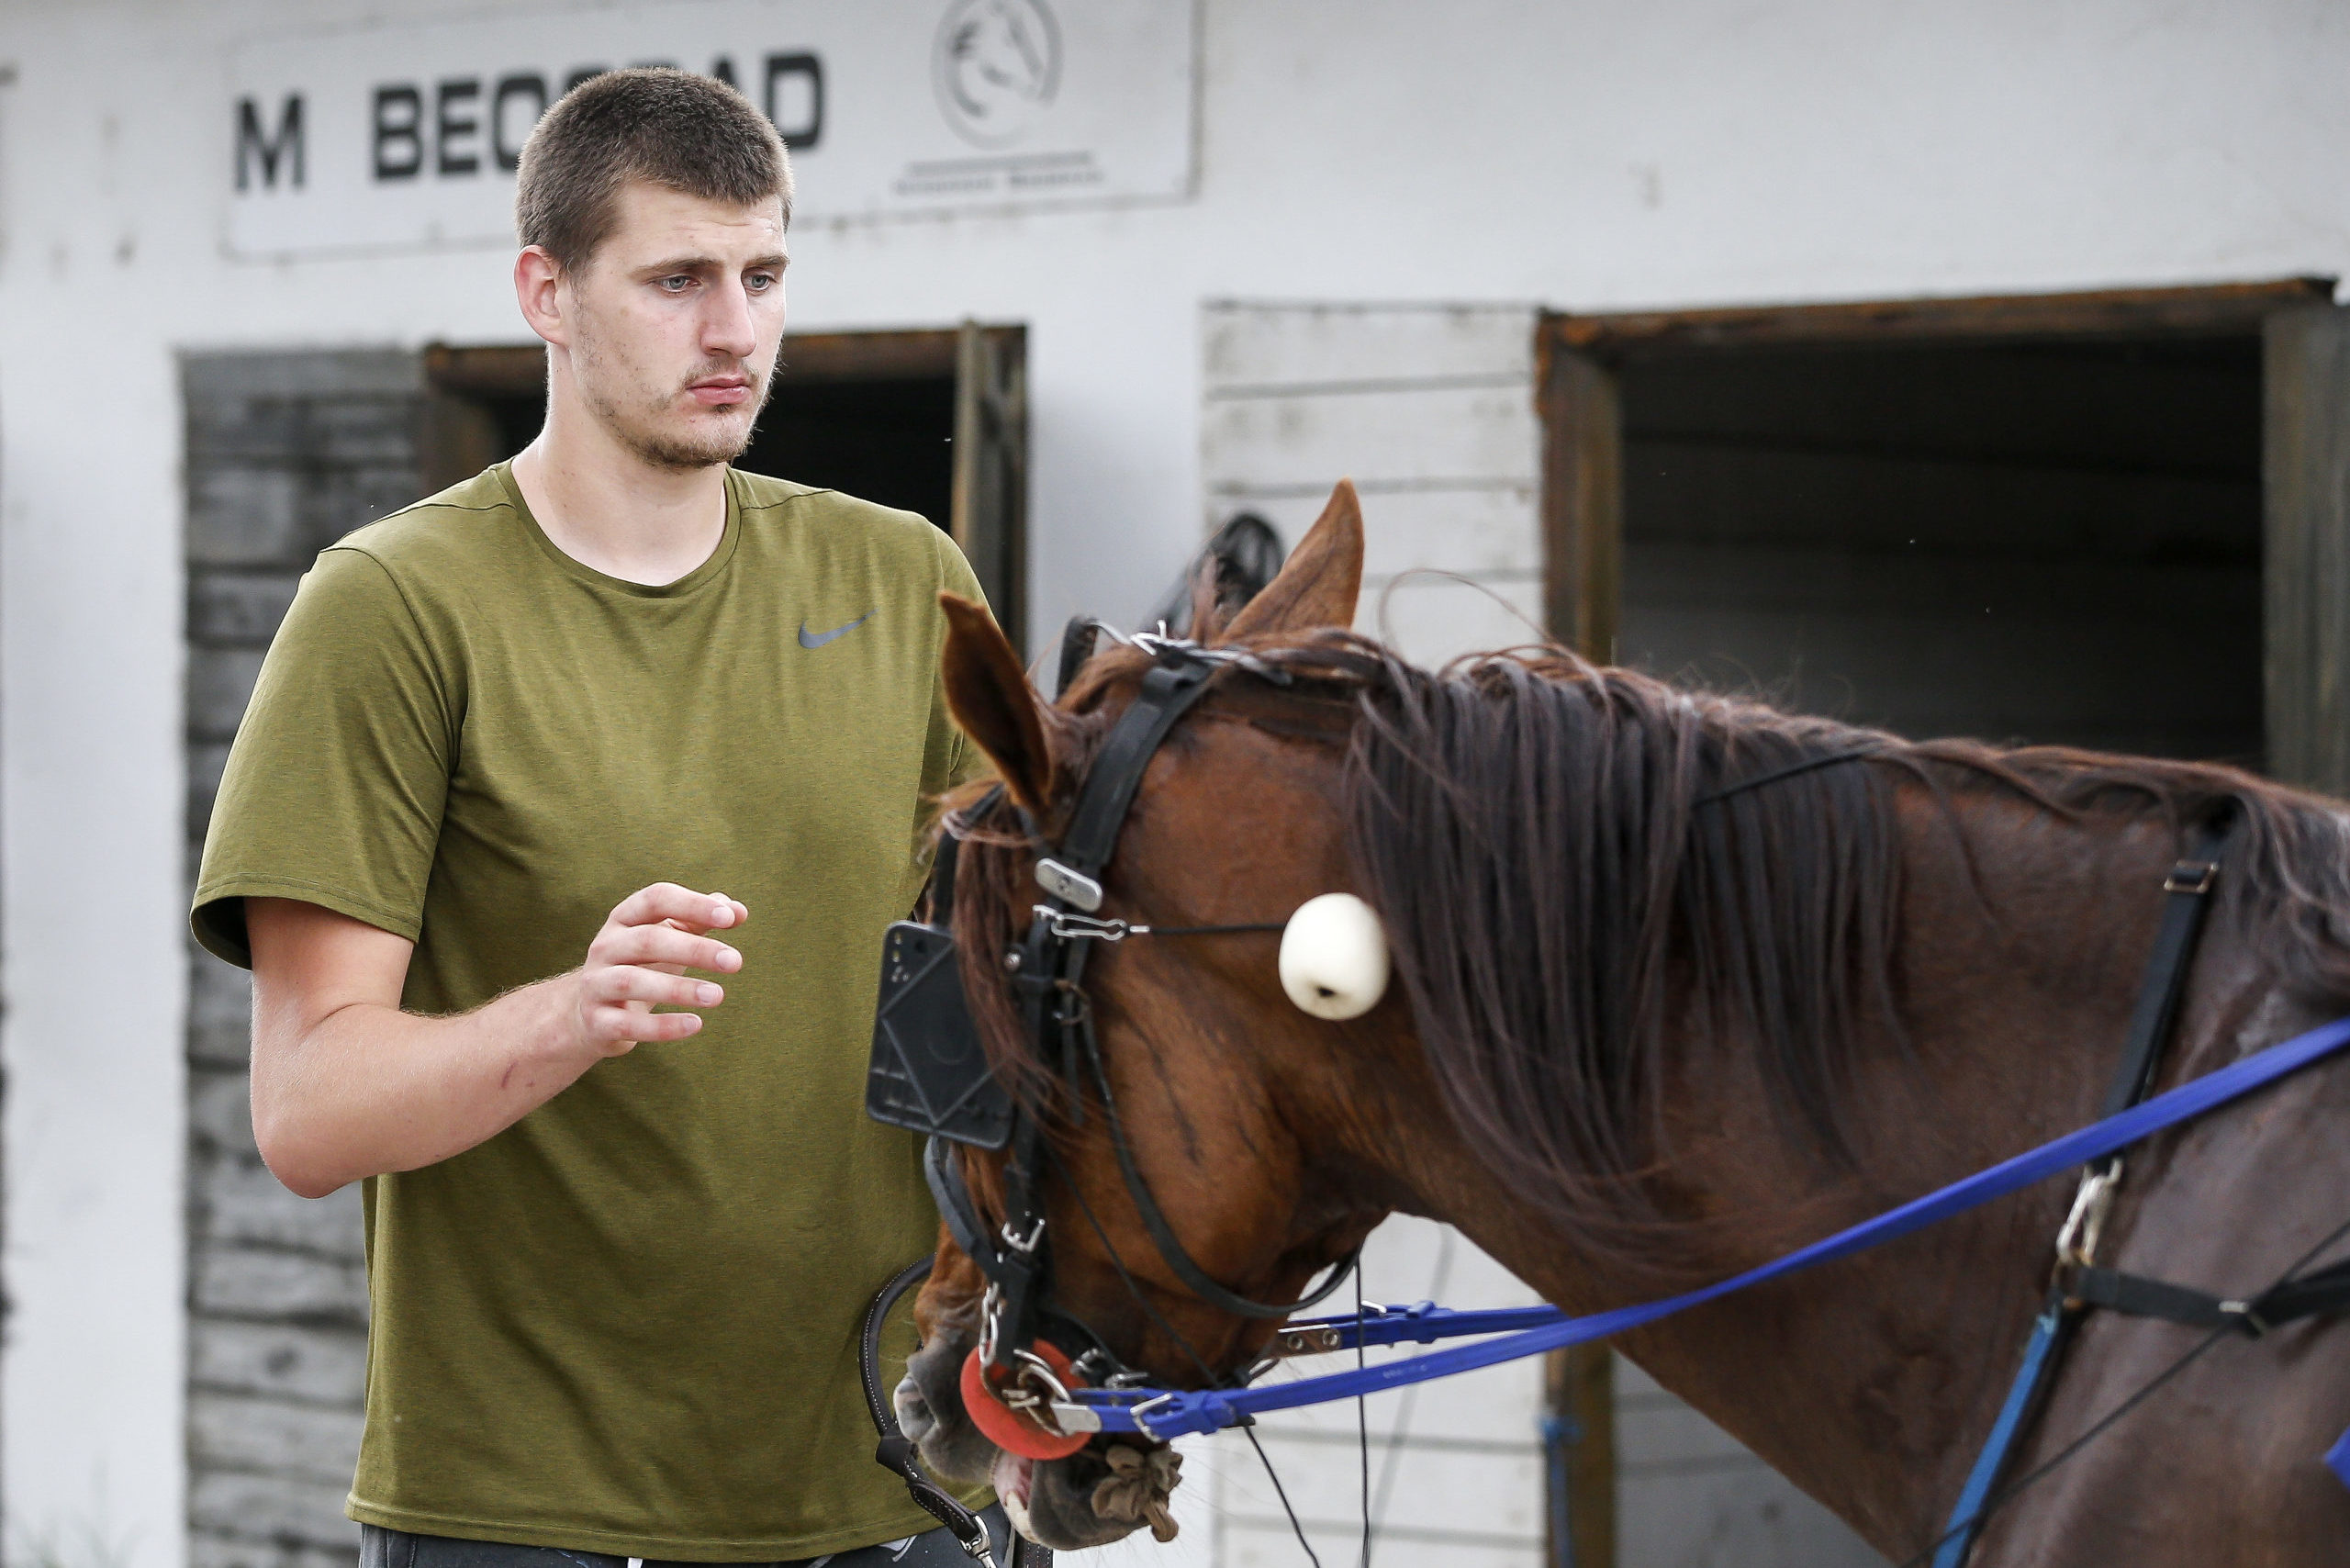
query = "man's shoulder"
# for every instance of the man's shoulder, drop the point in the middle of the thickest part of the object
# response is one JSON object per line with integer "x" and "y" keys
{"x": 833, "y": 518}
{"x": 453, "y": 531}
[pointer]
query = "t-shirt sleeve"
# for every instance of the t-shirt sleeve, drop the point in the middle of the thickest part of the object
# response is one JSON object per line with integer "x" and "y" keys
{"x": 335, "y": 786}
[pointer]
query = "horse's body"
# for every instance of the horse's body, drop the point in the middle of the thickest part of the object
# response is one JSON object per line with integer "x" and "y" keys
{"x": 1910, "y": 967}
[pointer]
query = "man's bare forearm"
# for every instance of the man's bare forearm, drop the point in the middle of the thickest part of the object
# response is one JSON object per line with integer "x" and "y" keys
{"x": 371, "y": 1089}
{"x": 346, "y": 1085}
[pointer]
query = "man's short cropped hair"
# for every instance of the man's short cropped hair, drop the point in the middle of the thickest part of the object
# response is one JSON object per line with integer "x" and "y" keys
{"x": 694, "y": 134}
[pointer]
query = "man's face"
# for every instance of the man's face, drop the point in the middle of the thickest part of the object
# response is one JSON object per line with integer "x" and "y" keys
{"x": 675, "y": 323}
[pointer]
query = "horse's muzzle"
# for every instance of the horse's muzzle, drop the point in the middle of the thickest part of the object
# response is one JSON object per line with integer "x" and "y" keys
{"x": 1051, "y": 1502}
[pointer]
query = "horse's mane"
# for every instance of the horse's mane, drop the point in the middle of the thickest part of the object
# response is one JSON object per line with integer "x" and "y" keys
{"x": 1563, "y": 887}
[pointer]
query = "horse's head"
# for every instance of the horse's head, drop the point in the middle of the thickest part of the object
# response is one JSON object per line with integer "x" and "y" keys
{"x": 1227, "y": 1096}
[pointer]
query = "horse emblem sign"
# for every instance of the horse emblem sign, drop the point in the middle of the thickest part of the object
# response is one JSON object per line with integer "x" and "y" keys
{"x": 996, "y": 66}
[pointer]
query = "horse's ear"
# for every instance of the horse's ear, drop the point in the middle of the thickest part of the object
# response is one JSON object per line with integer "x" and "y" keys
{"x": 989, "y": 694}
{"x": 1318, "y": 584}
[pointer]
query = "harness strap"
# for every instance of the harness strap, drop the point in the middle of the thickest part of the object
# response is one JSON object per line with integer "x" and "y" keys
{"x": 2187, "y": 889}
{"x": 1809, "y": 764}
{"x": 895, "y": 1452}
{"x": 2317, "y": 1295}
{"x": 950, "y": 848}
{"x": 2321, "y": 1294}
{"x": 954, "y": 1206}
{"x": 1019, "y": 1263}
{"x": 1168, "y": 693}
{"x": 2188, "y": 901}
{"x": 1162, "y": 1235}
{"x": 2050, "y": 1331}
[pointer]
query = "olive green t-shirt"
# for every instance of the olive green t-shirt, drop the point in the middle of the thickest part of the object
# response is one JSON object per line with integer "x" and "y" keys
{"x": 629, "y": 1323}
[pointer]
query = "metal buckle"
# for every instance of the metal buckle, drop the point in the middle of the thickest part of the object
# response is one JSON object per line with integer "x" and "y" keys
{"x": 1069, "y": 886}
{"x": 2192, "y": 876}
{"x": 1085, "y": 927}
{"x": 1024, "y": 1243}
{"x": 1067, "y": 1415}
{"x": 1034, "y": 1369}
{"x": 1142, "y": 1424}
{"x": 1098, "y": 1369}
{"x": 2251, "y": 1322}
{"x": 1171, "y": 651}
{"x": 2076, "y": 1241}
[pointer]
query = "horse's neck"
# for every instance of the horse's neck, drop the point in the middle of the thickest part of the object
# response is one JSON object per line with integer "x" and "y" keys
{"x": 1869, "y": 1381}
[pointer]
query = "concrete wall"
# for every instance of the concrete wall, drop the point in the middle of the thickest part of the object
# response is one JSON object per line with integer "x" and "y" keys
{"x": 1566, "y": 151}
{"x": 285, "y": 454}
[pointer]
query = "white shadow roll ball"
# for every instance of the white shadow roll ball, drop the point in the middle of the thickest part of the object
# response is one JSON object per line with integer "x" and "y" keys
{"x": 1334, "y": 957}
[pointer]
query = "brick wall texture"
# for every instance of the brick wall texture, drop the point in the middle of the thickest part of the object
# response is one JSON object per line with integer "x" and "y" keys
{"x": 285, "y": 454}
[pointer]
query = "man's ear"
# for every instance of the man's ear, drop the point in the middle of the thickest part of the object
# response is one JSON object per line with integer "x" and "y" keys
{"x": 537, "y": 282}
{"x": 989, "y": 694}
{"x": 1318, "y": 585}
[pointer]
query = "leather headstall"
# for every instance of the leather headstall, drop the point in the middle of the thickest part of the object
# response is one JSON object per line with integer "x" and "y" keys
{"x": 930, "y": 1071}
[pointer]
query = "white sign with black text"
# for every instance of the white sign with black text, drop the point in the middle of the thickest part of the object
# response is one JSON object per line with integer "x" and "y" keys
{"x": 405, "y": 137}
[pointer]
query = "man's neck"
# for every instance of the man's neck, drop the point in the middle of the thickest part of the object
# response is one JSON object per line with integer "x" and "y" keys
{"x": 607, "y": 508}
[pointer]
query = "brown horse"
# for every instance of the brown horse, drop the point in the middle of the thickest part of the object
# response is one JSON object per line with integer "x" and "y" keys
{"x": 1640, "y": 1038}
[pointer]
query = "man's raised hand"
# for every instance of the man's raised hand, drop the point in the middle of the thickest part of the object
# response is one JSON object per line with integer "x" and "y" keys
{"x": 639, "y": 960}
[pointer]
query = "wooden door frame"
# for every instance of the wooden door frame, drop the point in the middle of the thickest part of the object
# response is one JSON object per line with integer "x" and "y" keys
{"x": 1578, "y": 359}
{"x": 987, "y": 363}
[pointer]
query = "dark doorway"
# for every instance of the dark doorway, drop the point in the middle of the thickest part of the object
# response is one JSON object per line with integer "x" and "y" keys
{"x": 2036, "y": 518}
{"x": 2051, "y": 542}
{"x": 891, "y": 441}
{"x": 932, "y": 422}
{"x": 887, "y": 441}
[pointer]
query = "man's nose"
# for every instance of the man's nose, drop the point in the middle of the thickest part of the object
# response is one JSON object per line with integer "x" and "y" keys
{"x": 727, "y": 328}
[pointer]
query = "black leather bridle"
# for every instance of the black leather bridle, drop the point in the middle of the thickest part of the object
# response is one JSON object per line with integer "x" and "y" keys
{"x": 929, "y": 1072}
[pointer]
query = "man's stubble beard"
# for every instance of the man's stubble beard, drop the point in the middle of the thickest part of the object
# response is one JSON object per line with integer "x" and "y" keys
{"x": 634, "y": 412}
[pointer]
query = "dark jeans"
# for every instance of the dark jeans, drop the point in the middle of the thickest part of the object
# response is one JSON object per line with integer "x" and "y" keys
{"x": 380, "y": 1548}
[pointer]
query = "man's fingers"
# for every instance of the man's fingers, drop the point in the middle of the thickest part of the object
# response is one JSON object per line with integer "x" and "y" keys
{"x": 627, "y": 982}
{"x": 668, "y": 901}
{"x": 625, "y": 1025}
{"x": 665, "y": 944}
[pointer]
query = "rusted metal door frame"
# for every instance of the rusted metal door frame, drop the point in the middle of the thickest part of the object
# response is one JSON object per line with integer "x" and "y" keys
{"x": 2306, "y": 557}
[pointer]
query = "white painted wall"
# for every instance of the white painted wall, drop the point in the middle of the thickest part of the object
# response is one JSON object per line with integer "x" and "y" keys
{"x": 1582, "y": 154}
{"x": 1430, "y": 411}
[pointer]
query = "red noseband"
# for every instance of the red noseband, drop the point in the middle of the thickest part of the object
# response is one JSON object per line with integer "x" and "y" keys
{"x": 1016, "y": 1431}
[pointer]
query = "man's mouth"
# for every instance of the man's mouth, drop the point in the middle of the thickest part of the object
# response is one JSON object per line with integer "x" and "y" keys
{"x": 721, "y": 391}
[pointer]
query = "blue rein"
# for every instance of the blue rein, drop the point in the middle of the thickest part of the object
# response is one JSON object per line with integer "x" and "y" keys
{"x": 1163, "y": 1413}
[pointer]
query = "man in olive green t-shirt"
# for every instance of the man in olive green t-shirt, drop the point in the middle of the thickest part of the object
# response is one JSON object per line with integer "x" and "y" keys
{"x": 519, "y": 756}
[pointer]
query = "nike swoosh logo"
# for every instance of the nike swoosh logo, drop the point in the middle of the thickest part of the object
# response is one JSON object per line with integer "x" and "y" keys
{"x": 818, "y": 639}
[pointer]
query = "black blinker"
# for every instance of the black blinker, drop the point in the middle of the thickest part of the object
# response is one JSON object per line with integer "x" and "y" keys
{"x": 929, "y": 1072}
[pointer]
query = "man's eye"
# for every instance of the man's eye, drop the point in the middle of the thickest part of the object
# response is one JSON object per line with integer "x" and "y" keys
{"x": 759, "y": 282}
{"x": 679, "y": 284}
